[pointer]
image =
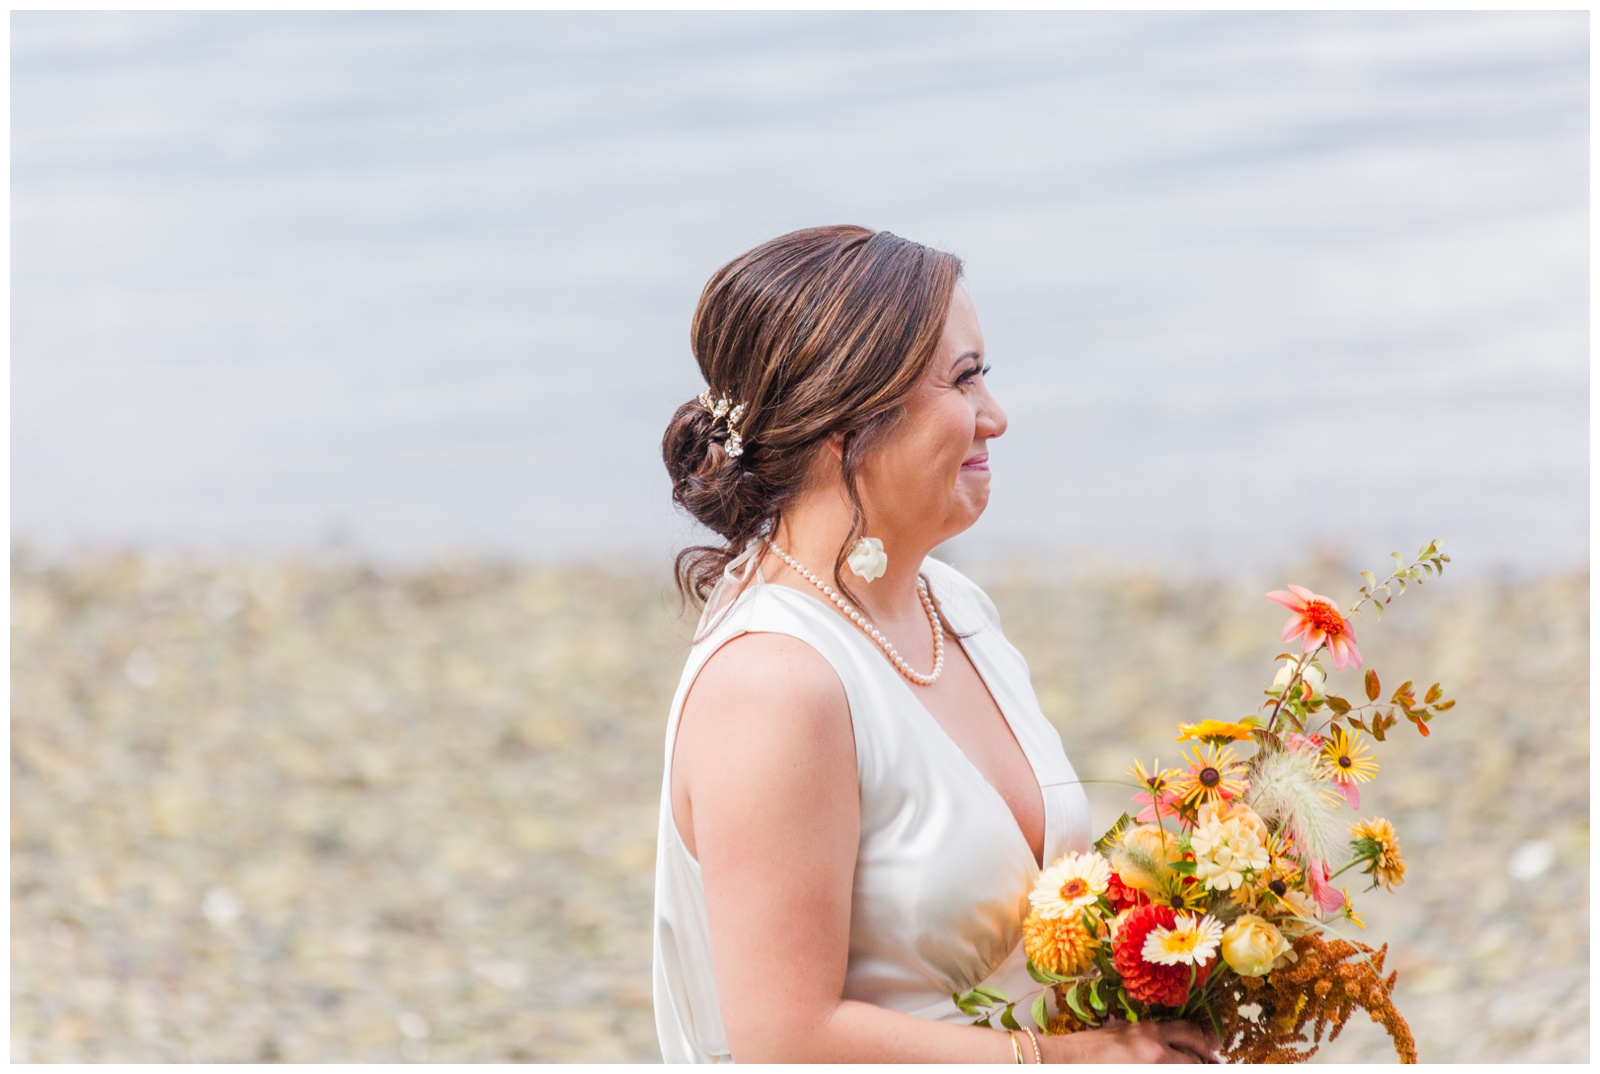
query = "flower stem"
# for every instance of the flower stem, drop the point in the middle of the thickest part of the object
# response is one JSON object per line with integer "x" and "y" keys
{"x": 1347, "y": 865}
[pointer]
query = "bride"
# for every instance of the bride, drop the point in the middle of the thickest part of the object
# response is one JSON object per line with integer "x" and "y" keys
{"x": 860, "y": 788}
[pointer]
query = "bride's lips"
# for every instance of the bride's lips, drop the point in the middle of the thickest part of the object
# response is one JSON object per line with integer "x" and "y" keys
{"x": 978, "y": 463}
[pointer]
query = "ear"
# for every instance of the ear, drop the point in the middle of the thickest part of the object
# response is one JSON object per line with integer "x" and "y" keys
{"x": 835, "y": 442}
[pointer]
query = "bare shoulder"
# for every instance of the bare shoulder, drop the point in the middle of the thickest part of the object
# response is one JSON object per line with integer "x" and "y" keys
{"x": 766, "y": 682}
{"x": 764, "y": 734}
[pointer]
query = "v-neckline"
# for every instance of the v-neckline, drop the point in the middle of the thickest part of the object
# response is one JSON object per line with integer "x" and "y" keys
{"x": 977, "y": 773}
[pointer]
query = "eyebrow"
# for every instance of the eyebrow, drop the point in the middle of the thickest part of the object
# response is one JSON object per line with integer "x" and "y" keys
{"x": 963, "y": 357}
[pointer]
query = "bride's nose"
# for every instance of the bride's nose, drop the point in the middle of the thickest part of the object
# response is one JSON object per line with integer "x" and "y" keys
{"x": 991, "y": 418}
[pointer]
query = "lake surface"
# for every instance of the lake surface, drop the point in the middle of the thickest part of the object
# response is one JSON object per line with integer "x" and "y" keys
{"x": 1251, "y": 283}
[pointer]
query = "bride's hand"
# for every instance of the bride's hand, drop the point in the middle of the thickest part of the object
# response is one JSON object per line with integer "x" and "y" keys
{"x": 1133, "y": 1042}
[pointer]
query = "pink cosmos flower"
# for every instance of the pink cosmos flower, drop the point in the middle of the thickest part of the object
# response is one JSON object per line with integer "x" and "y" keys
{"x": 1328, "y": 897}
{"x": 1319, "y": 621}
{"x": 1349, "y": 791}
{"x": 1156, "y": 809}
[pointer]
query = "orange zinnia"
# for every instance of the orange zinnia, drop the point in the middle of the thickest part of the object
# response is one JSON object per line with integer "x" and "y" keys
{"x": 1319, "y": 621}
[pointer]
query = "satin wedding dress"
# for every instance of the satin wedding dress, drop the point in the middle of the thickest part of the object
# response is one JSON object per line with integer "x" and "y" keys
{"x": 942, "y": 870}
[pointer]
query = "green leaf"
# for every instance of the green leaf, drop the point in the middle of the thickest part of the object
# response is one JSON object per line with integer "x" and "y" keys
{"x": 1095, "y": 1001}
{"x": 1040, "y": 1015}
{"x": 1037, "y": 974}
{"x": 1183, "y": 868}
{"x": 1379, "y": 607}
{"x": 1132, "y": 1015}
{"x": 1371, "y": 578}
{"x": 1216, "y": 1021}
{"x": 1399, "y": 561}
{"x": 994, "y": 995}
{"x": 1008, "y": 1019}
{"x": 1337, "y": 704}
{"x": 1105, "y": 842}
{"x": 984, "y": 1022}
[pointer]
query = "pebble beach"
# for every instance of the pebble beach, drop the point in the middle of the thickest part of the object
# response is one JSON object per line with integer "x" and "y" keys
{"x": 315, "y": 810}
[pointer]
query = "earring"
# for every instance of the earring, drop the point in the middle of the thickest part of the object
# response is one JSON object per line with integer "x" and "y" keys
{"x": 868, "y": 559}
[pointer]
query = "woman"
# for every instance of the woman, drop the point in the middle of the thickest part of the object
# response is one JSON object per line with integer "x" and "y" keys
{"x": 860, "y": 788}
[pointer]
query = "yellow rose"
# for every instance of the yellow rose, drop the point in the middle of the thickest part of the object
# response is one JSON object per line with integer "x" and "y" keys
{"x": 1251, "y": 946}
{"x": 1235, "y": 810}
{"x": 1140, "y": 858}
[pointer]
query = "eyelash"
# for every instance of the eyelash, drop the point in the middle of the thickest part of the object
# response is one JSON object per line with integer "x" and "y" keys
{"x": 969, "y": 374}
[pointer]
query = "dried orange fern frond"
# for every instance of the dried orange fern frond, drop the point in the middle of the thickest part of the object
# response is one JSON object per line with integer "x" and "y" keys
{"x": 1301, "y": 1006}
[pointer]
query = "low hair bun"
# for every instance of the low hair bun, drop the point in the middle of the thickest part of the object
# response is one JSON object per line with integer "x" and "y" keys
{"x": 721, "y": 492}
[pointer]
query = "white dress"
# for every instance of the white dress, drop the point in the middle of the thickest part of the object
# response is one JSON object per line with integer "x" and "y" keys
{"x": 942, "y": 870}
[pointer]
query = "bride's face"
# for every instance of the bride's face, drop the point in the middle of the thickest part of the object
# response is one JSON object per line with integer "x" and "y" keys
{"x": 931, "y": 477}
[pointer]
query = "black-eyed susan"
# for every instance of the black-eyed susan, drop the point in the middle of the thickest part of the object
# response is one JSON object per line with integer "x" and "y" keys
{"x": 1215, "y": 775}
{"x": 1349, "y": 763}
{"x": 1376, "y": 842}
{"x": 1157, "y": 797}
{"x": 1348, "y": 912}
{"x": 1183, "y": 894}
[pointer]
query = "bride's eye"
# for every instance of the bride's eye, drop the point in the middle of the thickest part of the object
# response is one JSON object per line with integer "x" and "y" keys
{"x": 966, "y": 378}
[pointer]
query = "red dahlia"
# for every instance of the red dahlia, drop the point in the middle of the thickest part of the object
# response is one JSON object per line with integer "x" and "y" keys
{"x": 1121, "y": 896}
{"x": 1150, "y": 982}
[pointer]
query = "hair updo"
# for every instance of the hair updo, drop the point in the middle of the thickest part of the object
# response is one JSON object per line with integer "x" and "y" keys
{"x": 819, "y": 332}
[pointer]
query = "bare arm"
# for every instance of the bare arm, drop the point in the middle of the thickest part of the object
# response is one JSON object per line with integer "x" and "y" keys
{"x": 765, "y": 792}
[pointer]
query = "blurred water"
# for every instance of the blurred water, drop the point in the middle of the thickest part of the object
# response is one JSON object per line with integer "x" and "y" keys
{"x": 414, "y": 281}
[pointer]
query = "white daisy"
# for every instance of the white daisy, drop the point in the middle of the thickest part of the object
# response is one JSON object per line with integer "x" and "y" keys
{"x": 1070, "y": 885}
{"x": 1191, "y": 940}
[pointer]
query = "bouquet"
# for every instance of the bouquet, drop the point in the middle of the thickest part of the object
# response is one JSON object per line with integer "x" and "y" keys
{"x": 1218, "y": 900}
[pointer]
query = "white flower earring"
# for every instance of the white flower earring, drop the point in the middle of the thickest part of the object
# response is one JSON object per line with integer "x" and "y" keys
{"x": 868, "y": 559}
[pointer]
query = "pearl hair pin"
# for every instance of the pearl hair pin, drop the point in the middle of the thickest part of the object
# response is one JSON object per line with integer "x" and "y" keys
{"x": 871, "y": 631}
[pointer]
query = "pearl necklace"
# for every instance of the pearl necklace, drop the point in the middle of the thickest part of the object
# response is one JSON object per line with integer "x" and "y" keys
{"x": 865, "y": 624}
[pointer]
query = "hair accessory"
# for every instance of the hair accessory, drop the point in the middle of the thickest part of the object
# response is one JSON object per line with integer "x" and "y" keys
{"x": 723, "y": 406}
{"x": 868, "y": 559}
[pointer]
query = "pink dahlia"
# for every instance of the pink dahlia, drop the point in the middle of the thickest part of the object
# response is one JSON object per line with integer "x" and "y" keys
{"x": 1318, "y": 621}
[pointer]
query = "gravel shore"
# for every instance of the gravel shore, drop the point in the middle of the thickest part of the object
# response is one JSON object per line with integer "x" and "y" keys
{"x": 322, "y": 812}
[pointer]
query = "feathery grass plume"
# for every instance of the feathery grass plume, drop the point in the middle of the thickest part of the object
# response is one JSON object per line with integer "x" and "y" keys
{"x": 1288, "y": 787}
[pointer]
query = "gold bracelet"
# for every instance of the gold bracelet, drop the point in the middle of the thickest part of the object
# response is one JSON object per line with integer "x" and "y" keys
{"x": 1038, "y": 1056}
{"x": 1015, "y": 1047}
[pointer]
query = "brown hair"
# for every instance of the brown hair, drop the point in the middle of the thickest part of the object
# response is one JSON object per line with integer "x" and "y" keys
{"x": 818, "y": 332}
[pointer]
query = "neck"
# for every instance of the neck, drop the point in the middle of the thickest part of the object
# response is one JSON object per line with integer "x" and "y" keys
{"x": 812, "y": 531}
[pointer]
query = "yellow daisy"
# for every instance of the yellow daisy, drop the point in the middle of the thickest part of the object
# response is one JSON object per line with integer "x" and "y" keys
{"x": 1215, "y": 774}
{"x": 1376, "y": 838}
{"x": 1349, "y": 912}
{"x": 1213, "y": 729}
